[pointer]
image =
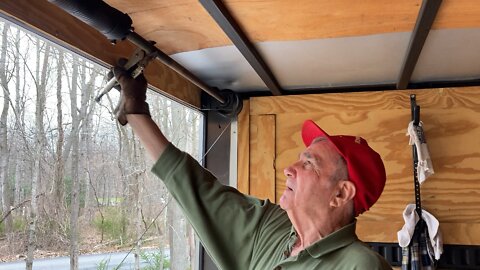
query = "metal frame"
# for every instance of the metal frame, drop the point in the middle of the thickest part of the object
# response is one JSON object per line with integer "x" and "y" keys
{"x": 223, "y": 18}
{"x": 425, "y": 19}
{"x": 370, "y": 88}
{"x": 217, "y": 132}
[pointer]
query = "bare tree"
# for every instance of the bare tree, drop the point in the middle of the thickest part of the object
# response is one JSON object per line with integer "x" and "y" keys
{"x": 87, "y": 109}
{"x": 80, "y": 118}
{"x": 4, "y": 153}
{"x": 19, "y": 128}
{"x": 40, "y": 140}
{"x": 75, "y": 192}
{"x": 58, "y": 186}
{"x": 178, "y": 235}
{"x": 65, "y": 143}
{"x": 19, "y": 131}
{"x": 136, "y": 184}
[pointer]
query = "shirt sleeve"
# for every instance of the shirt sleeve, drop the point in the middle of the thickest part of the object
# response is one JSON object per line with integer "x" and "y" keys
{"x": 224, "y": 219}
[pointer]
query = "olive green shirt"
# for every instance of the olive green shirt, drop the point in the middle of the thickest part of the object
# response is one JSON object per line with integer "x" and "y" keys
{"x": 242, "y": 232}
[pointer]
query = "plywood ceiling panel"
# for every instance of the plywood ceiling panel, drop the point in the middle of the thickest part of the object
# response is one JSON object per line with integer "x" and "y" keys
{"x": 175, "y": 26}
{"x": 305, "y": 43}
{"x": 274, "y": 20}
{"x": 184, "y": 25}
{"x": 458, "y": 14}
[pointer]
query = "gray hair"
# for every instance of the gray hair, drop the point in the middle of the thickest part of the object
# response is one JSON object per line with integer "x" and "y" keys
{"x": 341, "y": 171}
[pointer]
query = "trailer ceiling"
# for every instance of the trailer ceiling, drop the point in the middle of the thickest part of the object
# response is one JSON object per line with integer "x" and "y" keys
{"x": 280, "y": 47}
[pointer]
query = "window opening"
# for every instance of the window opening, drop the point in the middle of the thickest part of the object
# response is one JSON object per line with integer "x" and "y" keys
{"x": 57, "y": 144}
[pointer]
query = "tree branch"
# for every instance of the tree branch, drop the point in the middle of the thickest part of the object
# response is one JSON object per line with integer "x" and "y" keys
{"x": 18, "y": 206}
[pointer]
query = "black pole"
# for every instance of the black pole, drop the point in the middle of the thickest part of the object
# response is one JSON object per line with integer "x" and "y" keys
{"x": 415, "y": 117}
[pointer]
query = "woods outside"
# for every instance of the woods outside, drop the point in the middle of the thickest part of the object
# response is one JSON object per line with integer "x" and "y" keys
{"x": 72, "y": 180}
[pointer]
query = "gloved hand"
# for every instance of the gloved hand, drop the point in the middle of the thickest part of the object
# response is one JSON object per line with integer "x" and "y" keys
{"x": 133, "y": 94}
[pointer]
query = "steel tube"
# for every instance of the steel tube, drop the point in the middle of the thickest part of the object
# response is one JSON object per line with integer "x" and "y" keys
{"x": 169, "y": 62}
{"x": 116, "y": 25}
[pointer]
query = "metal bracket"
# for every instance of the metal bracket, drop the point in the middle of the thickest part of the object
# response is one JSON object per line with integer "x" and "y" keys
{"x": 135, "y": 66}
{"x": 230, "y": 108}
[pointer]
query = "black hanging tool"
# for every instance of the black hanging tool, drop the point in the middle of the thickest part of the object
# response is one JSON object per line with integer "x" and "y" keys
{"x": 415, "y": 112}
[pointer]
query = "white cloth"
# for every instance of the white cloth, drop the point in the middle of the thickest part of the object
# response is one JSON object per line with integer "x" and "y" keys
{"x": 411, "y": 218}
{"x": 417, "y": 138}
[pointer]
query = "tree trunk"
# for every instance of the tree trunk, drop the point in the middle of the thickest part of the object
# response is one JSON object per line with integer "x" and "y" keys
{"x": 178, "y": 238}
{"x": 86, "y": 111}
{"x": 5, "y": 201}
{"x": 136, "y": 176}
{"x": 75, "y": 192}
{"x": 40, "y": 140}
{"x": 19, "y": 132}
{"x": 179, "y": 245}
{"x": 196, "y": 154}
{"x": 20, "y": 138}
{"x": 58, "y": 183}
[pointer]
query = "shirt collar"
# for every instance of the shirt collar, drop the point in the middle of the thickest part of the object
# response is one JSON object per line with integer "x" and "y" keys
{"x": 338, "y": 239}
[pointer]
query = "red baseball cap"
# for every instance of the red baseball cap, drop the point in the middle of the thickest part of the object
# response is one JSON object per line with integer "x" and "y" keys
{"x": 365, "y": 166}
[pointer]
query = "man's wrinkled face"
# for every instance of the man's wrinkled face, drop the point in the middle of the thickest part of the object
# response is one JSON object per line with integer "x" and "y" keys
{"x": 309, "y": 185}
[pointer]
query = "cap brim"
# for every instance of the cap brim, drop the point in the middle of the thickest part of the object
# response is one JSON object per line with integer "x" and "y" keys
{"x": 310, "y": 131}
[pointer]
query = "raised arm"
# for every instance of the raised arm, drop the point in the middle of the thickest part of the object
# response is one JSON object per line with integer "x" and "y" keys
{"x": 133, "y": 109}
{"x": 225, "y": 220}
{"x": 149, "y": 134}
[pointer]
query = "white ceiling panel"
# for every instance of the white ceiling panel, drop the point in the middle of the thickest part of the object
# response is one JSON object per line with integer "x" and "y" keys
{"x": 336, "y": 62}
{"x": 365, "y": 60}
{"x": 304, "y": 64}
{"x": 222, "y": 67}
{"x": 452, "y": 54}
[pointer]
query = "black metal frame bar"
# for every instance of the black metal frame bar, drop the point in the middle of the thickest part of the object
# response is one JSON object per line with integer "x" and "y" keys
{"x": 222, "y": 16}
{"x": 217, "y": 139}
{"x": 425, "y": 19}
{"x": 369, "y": 88}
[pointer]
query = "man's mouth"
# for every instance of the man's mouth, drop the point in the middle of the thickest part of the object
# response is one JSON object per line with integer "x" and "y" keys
{"x": 289, "y": 185}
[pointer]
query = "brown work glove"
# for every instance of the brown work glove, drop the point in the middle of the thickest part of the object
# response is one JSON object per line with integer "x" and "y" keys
{"x": 133, "y": 94}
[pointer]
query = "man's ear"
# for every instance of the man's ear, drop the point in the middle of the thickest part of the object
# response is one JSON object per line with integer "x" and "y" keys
{"x": 345, "y": 192}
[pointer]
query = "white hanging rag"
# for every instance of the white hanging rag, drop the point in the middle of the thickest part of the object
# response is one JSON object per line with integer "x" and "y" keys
{"x": 417, "y": 138}
{"x": 411, "y": 218}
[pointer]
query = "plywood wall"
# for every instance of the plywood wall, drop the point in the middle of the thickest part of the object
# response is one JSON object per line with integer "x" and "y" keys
{"x": 452, "y": 126}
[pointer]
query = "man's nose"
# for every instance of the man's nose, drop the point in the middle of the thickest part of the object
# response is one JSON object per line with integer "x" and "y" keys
{"x": 289, "y": 171}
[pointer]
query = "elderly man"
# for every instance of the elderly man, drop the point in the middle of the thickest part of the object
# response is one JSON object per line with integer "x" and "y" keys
{"x": 334, "y": 180}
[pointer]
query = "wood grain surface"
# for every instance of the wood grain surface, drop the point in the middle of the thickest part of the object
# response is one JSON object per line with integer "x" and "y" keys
{"x": 243, "y": 149}
{"x": 452, "y": 127}
{"x": 184, "y": 25}
{"x": 262, "y": 156}
{"x": 441, "y": 98}
{"x": 176, "y": 26}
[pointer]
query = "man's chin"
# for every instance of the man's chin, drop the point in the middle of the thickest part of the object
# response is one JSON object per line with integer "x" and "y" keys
{"x": 283, "y": 202}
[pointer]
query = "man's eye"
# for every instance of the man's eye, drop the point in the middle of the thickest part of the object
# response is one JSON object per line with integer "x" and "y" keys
{"x": 307, "y": 163}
